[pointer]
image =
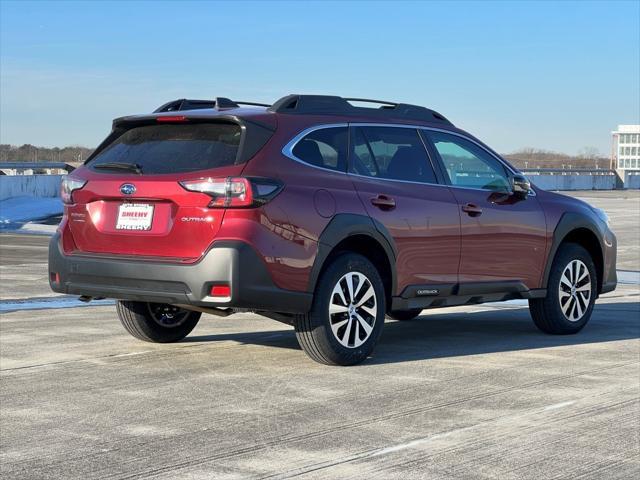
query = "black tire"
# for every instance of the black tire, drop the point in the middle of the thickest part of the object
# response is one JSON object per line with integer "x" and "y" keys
{"x": 547, "y": 313}
{"x": 314, "y": 329}
{"x": 404, "y": 315}
{"x": 139, "y": 320}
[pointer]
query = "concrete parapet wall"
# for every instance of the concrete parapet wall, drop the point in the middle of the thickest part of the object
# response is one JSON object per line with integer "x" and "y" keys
{"x": 49, "y": 185}
{"x": 632, "y": 180}
{"x": 574, "y": 182}
{"x": 29, "y": 186}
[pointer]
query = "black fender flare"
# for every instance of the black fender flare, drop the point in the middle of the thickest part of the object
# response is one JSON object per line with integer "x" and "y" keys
{"x": 569, "y": 222}
{"x": 343, "y": 226}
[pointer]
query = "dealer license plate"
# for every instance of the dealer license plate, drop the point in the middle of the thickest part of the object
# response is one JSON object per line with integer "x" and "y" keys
{"x": 134, "y": 216}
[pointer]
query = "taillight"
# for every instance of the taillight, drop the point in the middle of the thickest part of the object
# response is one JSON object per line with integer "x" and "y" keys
{"x": 235, "y": 192}
{"x": 68, "y": 186}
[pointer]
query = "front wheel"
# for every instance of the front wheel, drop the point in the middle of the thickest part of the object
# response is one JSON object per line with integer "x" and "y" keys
{"x": 571, "y": 293}
{"x": 347, "y": 313}
{"x": 156, "y": 322}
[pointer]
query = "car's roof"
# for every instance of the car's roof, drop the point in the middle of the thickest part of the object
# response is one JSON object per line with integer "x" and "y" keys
{"x": 303, "y": 111}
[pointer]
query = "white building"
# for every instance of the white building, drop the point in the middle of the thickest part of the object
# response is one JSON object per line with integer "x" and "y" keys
{"x": 625, "y": 149}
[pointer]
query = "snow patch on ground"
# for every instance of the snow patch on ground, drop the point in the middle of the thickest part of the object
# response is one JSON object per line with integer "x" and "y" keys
{"x": 61, "y": 301}
{"x": 18, "y": 212}
{"x": 35, "y": 228}
{"x": 628, "y": 277}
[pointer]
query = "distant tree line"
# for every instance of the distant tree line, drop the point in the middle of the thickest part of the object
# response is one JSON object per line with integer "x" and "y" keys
{"x": 588, "y": 158}
{"x": 31, "y": 153}
{"x": 526, "y": 158}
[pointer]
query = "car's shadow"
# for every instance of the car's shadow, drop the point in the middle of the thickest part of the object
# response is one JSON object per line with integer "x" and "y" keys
{"x": 436, "y": 335}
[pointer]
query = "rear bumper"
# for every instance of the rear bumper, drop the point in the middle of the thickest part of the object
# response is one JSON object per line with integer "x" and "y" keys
{"x": 232, "y": 262}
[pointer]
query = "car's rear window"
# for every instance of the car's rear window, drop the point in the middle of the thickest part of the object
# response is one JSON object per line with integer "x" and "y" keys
{"x": 174, "y": 148}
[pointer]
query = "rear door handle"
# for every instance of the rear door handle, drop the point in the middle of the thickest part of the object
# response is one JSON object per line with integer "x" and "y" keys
{"x": 472, "y": 210}
{"x": 384, "y": 202}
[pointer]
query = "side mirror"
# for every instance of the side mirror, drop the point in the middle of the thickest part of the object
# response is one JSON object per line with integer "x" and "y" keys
{"x": 520, "y": 186}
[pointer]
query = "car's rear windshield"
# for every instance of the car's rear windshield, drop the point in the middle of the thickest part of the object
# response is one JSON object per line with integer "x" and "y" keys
{"x": 173, "y": 148}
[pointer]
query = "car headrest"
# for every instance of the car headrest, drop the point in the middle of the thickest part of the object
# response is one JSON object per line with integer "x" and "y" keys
{"x": 406, "y": 164}
{"x": 309, "y": 151}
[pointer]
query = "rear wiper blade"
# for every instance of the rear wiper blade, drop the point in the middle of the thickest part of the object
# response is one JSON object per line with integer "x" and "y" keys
{"x": 132, "y": 167}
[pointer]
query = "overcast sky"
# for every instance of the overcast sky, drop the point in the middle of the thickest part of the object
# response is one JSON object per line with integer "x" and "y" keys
{"x": 557, "y": 76}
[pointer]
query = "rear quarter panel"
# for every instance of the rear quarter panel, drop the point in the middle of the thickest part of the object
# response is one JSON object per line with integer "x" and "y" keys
{"x": 295, "y": 219}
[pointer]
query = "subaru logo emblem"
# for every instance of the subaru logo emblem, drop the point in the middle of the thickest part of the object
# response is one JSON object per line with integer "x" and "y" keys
{"x": 127, "y": 189}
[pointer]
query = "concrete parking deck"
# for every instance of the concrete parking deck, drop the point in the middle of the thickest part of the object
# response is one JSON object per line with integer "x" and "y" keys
{"x": 623, "y": 208}
{"x": 474, "y": 392}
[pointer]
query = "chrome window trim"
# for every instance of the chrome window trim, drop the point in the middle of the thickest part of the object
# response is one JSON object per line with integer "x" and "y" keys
{"x": 532, "y": 192}
{"x": 287, "y": 151}
{"x": 396, "y": 180}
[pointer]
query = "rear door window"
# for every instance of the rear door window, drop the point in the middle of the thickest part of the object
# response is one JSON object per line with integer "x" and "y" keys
{"x": 325, "y": 148}
{"x": 390, "y": 152}
{"x": 174, "y": 148}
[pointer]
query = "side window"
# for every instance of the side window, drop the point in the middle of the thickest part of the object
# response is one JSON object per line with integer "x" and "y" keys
{"x": 468, "y": 165}
{"x": 392, "y": 153}
{"x": 325, "y": 147}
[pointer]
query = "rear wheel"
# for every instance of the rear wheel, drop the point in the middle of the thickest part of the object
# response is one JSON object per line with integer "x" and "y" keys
{"x": 156, "y": 322}
{"x": 347, "y": 314}
{"x": 404, "y": 314}
{"x": 571, "y": 293}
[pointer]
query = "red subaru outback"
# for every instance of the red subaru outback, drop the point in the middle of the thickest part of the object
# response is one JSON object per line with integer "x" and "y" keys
{"x": 320, "y": 213}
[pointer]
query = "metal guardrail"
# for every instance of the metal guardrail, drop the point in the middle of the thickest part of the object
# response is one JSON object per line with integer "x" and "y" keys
{"x": 568, "y": 171}
{"x": 36, "y": 166}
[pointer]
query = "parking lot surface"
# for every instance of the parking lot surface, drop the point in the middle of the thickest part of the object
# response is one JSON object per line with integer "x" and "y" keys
{"x": 473, "y": 392}
{"x": 623, "y": 208}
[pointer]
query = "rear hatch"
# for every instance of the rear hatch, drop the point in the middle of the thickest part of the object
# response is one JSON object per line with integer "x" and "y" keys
{"x": 133, "y": 202}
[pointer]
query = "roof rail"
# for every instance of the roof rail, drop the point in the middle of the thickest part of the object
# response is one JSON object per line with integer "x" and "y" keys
{"x": 219, "y": 103}
{"x": 253, "y": 104}
{"x": 316, "y": 104}
{"x": 334, "y": 105}
{"x": 368, "y": 100}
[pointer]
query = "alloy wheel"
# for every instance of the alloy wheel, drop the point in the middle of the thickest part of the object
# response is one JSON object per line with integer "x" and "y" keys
{"x": 167, "y": 315}
{"x": 575, "y": 290}
{"x": 353, "y": 309}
